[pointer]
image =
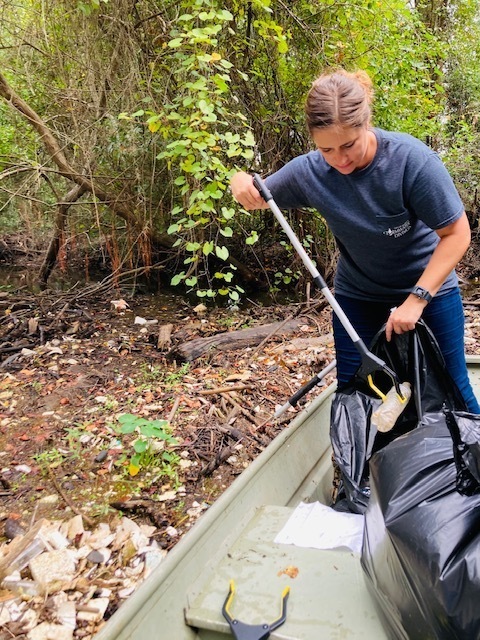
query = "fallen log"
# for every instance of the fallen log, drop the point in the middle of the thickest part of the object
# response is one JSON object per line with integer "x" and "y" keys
{"x": 193, "y": 349}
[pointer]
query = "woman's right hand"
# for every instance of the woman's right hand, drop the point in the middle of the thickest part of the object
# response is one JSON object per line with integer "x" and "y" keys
{"x": 245, "y": 192}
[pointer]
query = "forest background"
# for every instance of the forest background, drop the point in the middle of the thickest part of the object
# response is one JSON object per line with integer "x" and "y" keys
{"x": 122, "y": 122}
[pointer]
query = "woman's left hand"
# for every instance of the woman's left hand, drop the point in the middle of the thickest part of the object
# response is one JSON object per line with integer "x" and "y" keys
{"x": 405, "y": 317}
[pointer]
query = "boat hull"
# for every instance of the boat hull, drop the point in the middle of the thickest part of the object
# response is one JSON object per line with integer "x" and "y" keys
{"x": 295, "y": 467}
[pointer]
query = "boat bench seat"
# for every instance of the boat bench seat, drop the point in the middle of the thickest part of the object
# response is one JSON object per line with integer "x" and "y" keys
{"x": 328, "y": 597}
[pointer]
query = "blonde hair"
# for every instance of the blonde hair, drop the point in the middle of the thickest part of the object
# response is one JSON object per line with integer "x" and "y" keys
{"x": 339, "y": 98}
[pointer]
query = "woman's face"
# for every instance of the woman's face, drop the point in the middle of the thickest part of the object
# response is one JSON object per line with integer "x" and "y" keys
{"x": 346, "y": 149}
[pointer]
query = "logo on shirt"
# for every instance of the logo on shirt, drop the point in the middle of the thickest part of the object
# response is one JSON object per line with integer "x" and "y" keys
{"x": 398, "y": 232}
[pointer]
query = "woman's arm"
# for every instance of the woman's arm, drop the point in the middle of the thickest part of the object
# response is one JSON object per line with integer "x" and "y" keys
{"x": 244, "y": 191}
{"x": 454, "y": 241}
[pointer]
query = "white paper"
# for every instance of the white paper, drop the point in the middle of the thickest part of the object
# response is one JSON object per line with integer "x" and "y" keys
{"x": 320, "y": 527}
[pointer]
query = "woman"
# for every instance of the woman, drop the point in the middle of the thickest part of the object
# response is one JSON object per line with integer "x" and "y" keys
{"x": 396, "y": 215}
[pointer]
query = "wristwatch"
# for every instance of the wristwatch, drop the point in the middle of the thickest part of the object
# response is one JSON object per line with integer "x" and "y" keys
{"x": 422, "y": 293}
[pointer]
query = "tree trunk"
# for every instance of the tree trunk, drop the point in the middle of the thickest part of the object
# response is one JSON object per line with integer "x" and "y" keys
{"x": 55, "y": 243}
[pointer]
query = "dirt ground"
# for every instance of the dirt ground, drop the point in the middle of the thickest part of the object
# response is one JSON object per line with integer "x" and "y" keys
{"x": 97, "y": 419}
{"x": 61, "y": 445}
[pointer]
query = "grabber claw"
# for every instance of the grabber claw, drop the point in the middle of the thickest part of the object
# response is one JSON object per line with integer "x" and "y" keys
{"x": 244, "y": 631}
{"x": 370, "y": 364}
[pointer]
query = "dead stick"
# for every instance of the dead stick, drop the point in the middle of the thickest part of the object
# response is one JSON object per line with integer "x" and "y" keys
{"x": 223, "y": 455}
{"x": 272, "y": 333}
{"x": 172, "y": 413}
{"x": 242, "y": 410}
{"x": 67, "y": 500}
{"x": 235, "y": 387}
{"x": 249, "y": 417}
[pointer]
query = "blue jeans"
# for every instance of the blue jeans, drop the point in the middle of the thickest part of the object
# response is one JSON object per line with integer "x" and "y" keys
{"x": 443, "y": 316}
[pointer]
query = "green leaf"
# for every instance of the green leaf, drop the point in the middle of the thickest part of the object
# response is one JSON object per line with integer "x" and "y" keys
{"x": 127, "y": 417}
{"x": 127, "y": 428}
{"x": 248, "y": 154}
{"x": 207, "y": 248}
{"x": 228, "y": 214}
{"x": 140, "y": 446}
{"x": 209, "y": 117}
{"x": 248, "y": 139}
{"x": 221, "y": 84}
{"x": 177, "y": 279}
{"x": 227, "y": 232}
{"x": 152, "y": 431}
{"x": 222, "y": 253}
{"x": 176, "y": 42}
{"x": 232, "y": 137}
{"x": 223, "y": 14}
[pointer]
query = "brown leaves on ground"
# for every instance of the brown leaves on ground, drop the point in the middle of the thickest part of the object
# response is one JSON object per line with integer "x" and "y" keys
{"x": 60, "y": 400}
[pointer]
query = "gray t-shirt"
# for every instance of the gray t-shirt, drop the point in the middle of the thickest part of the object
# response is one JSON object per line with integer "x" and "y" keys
{"x": 383, "y": 217}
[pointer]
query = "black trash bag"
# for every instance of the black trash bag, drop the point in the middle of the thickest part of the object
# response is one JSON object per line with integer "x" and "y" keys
{"x": 464, "y": 431}
{"x": 416, "y": 358}
{"x": 421, "y": 549}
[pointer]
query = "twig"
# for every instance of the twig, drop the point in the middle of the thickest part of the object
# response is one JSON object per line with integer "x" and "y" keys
{"x": 172, "y": 413}
{"x": 241, "y": 409}
{"x": 223, "y": 455}
{"x": 12, "y": 635}
{"x": 235, "y": 387}
{"x": 67, "y": 500}
{"x": 276, "y": 330}
{"x": 248, "y": 416}
{"x": 60, "y": 315}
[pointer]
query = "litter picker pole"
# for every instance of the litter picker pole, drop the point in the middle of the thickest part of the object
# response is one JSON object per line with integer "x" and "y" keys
{"x": 369, "y": 361}
{"x": 298, "y": 395}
